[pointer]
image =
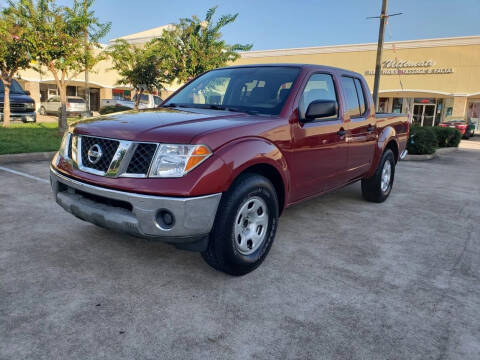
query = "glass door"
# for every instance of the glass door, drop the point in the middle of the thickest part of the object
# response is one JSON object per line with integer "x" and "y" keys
{"x": 424, "y": 114}
{"x": 429, "y": 115}
{"x": 417, "y": 114}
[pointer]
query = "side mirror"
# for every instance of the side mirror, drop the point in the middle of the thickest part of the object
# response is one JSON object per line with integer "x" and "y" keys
{"x": 27, "y": 92}
{"x": 321, "y": 109}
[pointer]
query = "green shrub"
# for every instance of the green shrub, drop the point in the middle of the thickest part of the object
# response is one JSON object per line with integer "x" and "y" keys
{"x": 113, "y": 109}
{"x": 447, "y": 137}
{"x": 422, "y": 140}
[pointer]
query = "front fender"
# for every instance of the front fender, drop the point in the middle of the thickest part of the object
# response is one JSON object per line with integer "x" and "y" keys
{"x": 244, "y": 153}
{"x": 234, "y": 158}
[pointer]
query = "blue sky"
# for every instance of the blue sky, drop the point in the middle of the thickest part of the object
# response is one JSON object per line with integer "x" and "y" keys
{"x": 269, "y": 24}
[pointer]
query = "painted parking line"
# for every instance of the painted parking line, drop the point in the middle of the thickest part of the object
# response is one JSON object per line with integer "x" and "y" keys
{"x": 24, "y": 175}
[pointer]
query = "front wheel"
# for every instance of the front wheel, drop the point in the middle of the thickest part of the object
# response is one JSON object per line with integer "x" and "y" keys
{"x": 245, "y": 226}
{"x": 42, "y": 111}
{"x": 378, "y": 187}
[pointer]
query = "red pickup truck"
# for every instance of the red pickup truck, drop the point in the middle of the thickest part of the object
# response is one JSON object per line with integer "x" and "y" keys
{"x": 213, "y": 168}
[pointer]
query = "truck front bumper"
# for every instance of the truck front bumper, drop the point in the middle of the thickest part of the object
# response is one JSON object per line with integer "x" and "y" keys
{"x": 25, "y": 117}
{"x": 175, "y": 220}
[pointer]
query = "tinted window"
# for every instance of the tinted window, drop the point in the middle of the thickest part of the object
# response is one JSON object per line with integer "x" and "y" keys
{"x": 361, "y": 97}
{"x": 319, "y": 87}
{"x": 76, "y": 101}
{"x": 352, "y": 106}
{"x": 262, "y": 89}
{"x": 157, "y": 100}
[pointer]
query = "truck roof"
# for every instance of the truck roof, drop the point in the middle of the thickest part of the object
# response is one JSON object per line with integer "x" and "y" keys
{"x": 297, "y": 65}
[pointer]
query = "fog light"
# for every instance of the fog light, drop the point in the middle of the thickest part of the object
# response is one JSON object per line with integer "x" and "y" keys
{"x": 165, "y": 219}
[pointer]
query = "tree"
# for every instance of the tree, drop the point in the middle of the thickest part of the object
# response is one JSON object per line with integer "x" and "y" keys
{"x": 60, "y": 40}
{"x": 15, "y": 54}
{"x": 194, "y": 46}
{"x": 93, "y": 30}
{"x": 139, "y": 67}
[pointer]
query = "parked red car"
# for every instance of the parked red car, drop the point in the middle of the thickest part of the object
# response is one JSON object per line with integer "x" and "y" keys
{"x": 466, "y": 128}
{"x": 214, "y": 168}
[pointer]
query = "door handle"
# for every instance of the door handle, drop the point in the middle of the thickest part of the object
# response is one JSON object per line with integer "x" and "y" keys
{"x": 370, "y": 128}
{"x": 341, "y": 132}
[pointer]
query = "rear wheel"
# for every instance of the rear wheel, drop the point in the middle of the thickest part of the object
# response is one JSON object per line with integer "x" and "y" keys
{"x": 245, "y": 226}
{"x": 378, "y": 187}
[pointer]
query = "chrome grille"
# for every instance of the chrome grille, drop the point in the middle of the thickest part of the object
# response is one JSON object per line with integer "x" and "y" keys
{"x": 108, "y": 148}
{"x": 69, "y": 151}
{"x": 15, "y": 108}
{"x": 118, "y": 158}
{"x": 142, "y": 157}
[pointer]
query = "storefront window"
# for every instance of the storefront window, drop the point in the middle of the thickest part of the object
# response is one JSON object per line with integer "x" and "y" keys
{"x": 382, "y": 105}
{"x": 397, "y": 105}
{"x": 71, "y": 91}
{"x": 120, "y": 94}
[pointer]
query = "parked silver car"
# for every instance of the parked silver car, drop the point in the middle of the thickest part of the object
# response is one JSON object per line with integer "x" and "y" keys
{"x": 75, "y": 106}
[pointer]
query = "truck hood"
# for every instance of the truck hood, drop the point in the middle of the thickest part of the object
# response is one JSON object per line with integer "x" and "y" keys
{"x": 165, "y": 125}
{"x": 17, "y": 98}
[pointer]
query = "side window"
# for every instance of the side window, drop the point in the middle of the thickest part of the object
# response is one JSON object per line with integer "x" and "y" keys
{"x": 361, "y": 96}
{"x": 319, "y": 87}
{"x": 157, "y": 101}
{"x": 352, "y": 106}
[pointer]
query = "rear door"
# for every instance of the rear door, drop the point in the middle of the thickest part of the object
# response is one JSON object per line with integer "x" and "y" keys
{"x": 362, "y": 132}
{"x": 320, "y": 152}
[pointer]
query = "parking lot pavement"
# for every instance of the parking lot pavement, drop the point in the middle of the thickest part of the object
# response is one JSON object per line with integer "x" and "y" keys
{"x": 344, "y": 279}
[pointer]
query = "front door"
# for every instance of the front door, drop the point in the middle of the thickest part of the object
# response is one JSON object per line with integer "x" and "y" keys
{"x": 424, "y": 114}
{"x": 320, "y": 155}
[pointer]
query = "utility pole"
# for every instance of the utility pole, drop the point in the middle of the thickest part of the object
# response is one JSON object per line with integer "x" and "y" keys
{"x": 378, "y": 65}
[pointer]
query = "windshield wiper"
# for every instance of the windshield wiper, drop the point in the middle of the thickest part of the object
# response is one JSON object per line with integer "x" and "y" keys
{"x": 246, "y": 111}
{"x": 170, "y": 105}
{"x": 173, "y": 105}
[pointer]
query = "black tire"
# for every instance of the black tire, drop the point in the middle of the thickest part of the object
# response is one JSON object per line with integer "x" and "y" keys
{"x": 223, "y": 253}
{"x": 42, "y": 111}
{"x": 372, "y": 187}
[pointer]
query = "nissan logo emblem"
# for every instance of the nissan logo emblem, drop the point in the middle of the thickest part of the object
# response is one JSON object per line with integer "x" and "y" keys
{"x": 94, "y": 154}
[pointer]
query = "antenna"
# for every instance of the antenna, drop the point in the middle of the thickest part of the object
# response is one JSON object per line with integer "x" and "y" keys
{"x": 381, "y": 32}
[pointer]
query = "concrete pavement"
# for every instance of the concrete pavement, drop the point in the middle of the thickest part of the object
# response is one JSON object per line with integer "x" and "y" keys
{"x": 345, "y": 279}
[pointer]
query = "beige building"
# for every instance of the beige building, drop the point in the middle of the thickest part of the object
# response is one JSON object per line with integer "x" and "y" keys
{"x": 432, "y": 79}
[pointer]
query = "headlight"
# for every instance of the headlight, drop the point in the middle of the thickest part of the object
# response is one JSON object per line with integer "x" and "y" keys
{"x": 63, "y": 151}
{"x": 173, "y": 160}
{"x": 29, "y": 106}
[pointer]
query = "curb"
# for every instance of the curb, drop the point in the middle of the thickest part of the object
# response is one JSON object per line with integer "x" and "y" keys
{"x": 410, "y": 157}
{"x": 437, "y": 153}
{"x": 447, "y": 150}
{"x": 26, "y": 157}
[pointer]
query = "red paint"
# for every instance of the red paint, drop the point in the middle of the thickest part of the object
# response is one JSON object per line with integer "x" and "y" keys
{"x": 311, "y": 158}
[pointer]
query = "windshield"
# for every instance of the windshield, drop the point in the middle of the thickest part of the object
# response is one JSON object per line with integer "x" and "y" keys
{"x": 15, "y": 88}
{"x": 262, "y": 90}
